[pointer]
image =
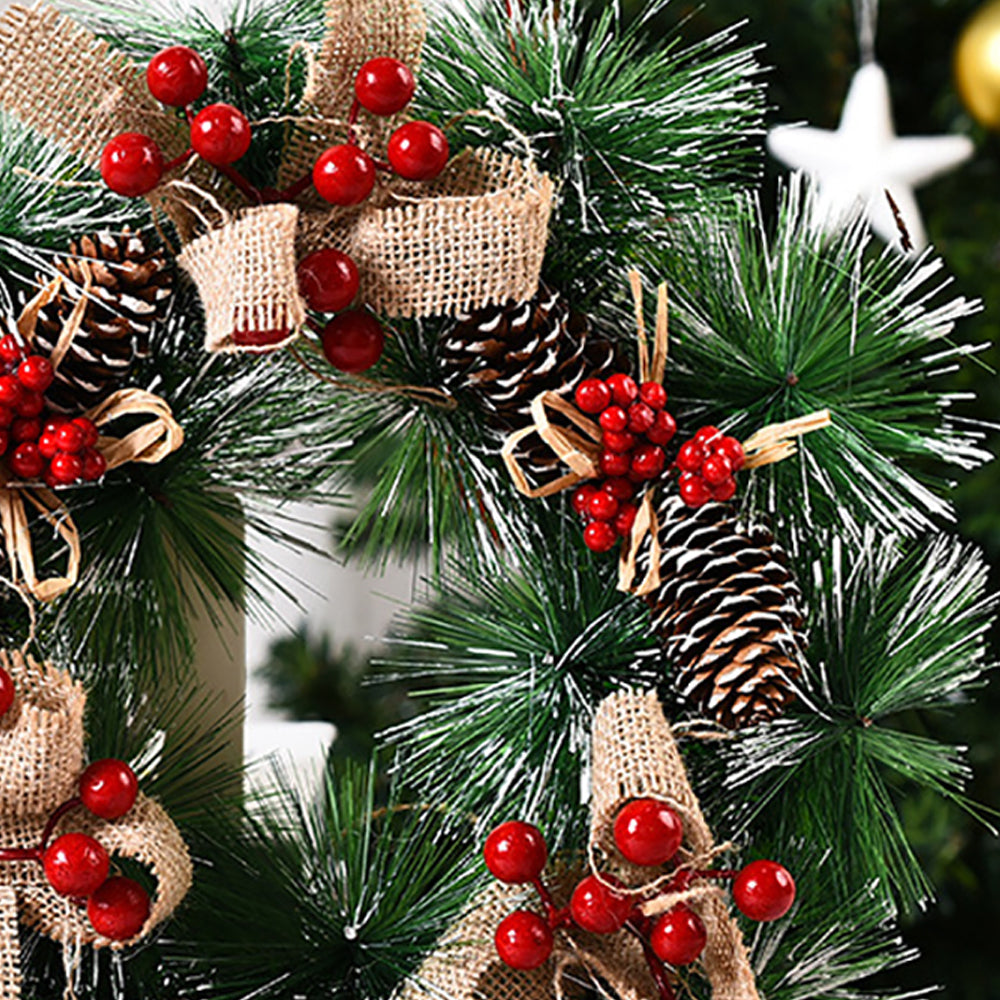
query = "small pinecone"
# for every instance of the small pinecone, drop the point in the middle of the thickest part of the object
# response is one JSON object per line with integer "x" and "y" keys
{"x": 509, "y": 354}
{"x": 131, "y": 289}
{"x": 728, "y": 612}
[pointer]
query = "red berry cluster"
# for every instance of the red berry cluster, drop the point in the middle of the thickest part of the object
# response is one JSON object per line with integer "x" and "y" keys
{"x": 647, "y": 832}
{"x": 708, "y": 465}
{"x": 78, "y": 866}
{"x": 635, "y": 431}
{"x": 38, "y": 444}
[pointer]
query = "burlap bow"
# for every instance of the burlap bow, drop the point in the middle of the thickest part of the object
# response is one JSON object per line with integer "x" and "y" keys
{"x": 634, "y": 756}
{"x": 155, "y": 438}
{"x": 41, "y": 759}
{"x": 474, "y": 236}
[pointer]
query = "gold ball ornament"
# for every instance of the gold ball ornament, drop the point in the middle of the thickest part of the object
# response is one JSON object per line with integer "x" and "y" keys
{"x": 977, "y": 65}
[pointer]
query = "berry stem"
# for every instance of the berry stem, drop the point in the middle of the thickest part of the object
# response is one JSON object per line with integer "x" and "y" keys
{"x": 291, "y": 193}
{"x": 179, "y": 162}
{"x": 54, "y": 819}
{"x": 245, "y": 187}
{"x": 20, "y": 854}
{"x": 352, "y": 120}
{"x": 656, "y": 967}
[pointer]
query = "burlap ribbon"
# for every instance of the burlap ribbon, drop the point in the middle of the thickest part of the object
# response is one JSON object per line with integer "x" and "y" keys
{"x": 634, "y": 756}
{"x": 150, "y": 442}
{"x": 578, "y": 446}
{"x": 41, "y": 758}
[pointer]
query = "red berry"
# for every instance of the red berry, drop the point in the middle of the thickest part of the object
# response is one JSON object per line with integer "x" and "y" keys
{"x": 716, "y": 469}
{"x": 733, "y": 450}
{"x": 523, "y": 940}
{"x": 88, "y": 429}
{"x": 6, "y": 416}
{"x": 344, "y": 175}
{"x": 581, "y": 498}
{"x": 640, "y": 418}
{"x": 726, "y": 490}
{"x": 602, "y": 506}
{"x": 220, "y": 134}
{"x": 708, "y": 437}
{"x": 648, "y": 832}
{"x": 95, "y": 465}
{"x": 26, "y": 429}
{"x": 27, "y": 461}
{"x": 620, "y": 443}
{"x": 663, "y": 430}
{"x": 620, "y": 489}
{"x": 614, "y": 419}
{"x": 418, "y": 151}
{"x": 53, "y": 423}
{"x": 599, "y": 536}
{"x": 625, "y": 519}
{"x": 76, "y": 865}
{"x": 690, "y": 457}
{"x": 50, "y": 480}
{"x": 177, "y": 76}
{"x": 649, "y": 461}
{"x": 11, "y": 351}
{"x": 624, "y": 391}
{"x": 10, "y": 391}
{"x": 592, "y": 396}
{"x": 109, "y": 788}
{"x": 614, "y": 465}
{"x": 119, "y": 909}
{"x": 679, "y": 936}
{"x": 764, "y": 891}
{"x": 384, "y": 86}
{"x": 66, "y": 469}
{"x": 515, "y": 852}
{"x": 653, "y": 394}
{"x": 69, "y": 437}
{"x": 132, "y": 164}
{"x": 693, "y": 490}
{"x": 353, "y": 341}
{"x": 31, "y": 404}
{"x": 329, "y": 280}
{"x": 597, "y": 908}
{"x": 4, "y": 441}
{"x": 48, "y": 445}
{"x": 7, "y": 692}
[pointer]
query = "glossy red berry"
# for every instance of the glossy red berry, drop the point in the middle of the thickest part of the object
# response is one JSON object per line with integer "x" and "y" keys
{"x": 581, "y": 497}
{"x": 624, "y": 390}
{"x": 26, "y": 429}
{"x": 31, "y": 404}
{"x": 592, "y": 396}
{"x": 602, "y": 506}
{"x": 599, "y": 536}
{"x": 353, "y": 341}
{"x": 10, "y": 391}
{"x": 53, "y": 423}
{"x": 4, "y": 441}
{"x": 329, "y": 280}
{"x": 690, "y": 457}
{"x": 177, "y": 76}
{"x": 65, "y": 469}
{"x": 613, "y": 464}
{"x": 76, "y": 865}
{"x": 7, "y": 692}
{"x": 648, "y": 461}
{"x": 764, "y": 891}
{"x": 598, "y": 908}
{"x": 11, "y": 351}
{"x": 95, "y": 465}
{"x": 648, "y": 832}
{"x": 716, "y": 469}
{"x": 344, "y": 175}
{"x": 515, "y": 852}
{"x": 48, "y": 445}
{"x": 384, "y": 86}
{"x": 708, "y": 437}
{"x": 724, "y": 491}
{"x": 69, "y": 437}
{"x": 220, "y": 134}
{"x": 614, "y": 419}
{"x": 88, "y": 429}
{"x": 132, "y": 164}
{"x": 6, "y": 416}
{"x": 663, "y": 430}
{"x": 418, "y": 151}
{"x": 109, "y": 788}
{"x": 625, "y": 519}
{"x": 523, "y": 940}
{"x": 119, "y": 909}
{"x": 679, "y": 936}
{"x": 27, "y": 462}
{"x": 640, "y": 418}
{"x": 620, "y": 443}
{"x": 653, "y": 394}
{"x": 620, "y": 489}
{"x": 733, "y": 450}
{"x": 693, "y": 490}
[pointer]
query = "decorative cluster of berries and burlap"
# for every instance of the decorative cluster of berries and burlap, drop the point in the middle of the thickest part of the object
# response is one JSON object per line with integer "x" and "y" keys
{"x": 635, "y": 756}
{"x": 475, "y": 235}
{"x": 41, "y": 760}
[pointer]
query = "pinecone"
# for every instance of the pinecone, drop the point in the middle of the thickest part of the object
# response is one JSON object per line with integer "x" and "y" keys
{"x": 728, "y": 612}
{"x": 131, "y": 289}
{"x": 509, "y": 354}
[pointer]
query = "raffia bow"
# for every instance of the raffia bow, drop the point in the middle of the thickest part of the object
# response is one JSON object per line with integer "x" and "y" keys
{"x": 41, "y": 758}
{"x": 579, "y": 446}
{"x": 149, "y": 443}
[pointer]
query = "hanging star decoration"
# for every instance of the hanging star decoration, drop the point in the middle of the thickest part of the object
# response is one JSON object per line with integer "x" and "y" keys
{"x": 863, "y": 163}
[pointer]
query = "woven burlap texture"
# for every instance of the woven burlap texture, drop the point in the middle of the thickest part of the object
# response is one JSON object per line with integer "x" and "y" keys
{"x": 41, "y": 758}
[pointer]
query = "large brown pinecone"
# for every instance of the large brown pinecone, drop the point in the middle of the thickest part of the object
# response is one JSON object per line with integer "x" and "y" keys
{"x": 509, "y": 354}
{"x": 132, "y": 285}
{"x": 728, "y": 612}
